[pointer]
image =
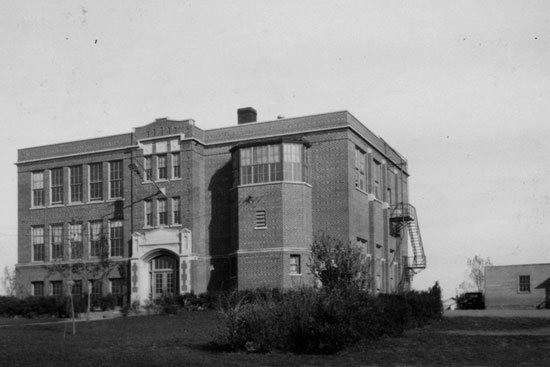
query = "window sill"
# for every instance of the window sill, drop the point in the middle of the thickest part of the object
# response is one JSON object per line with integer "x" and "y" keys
{"x": 98, "y": 201}
{"x": 112, "y": 200}
{"x": 75, "y": 203}
{"x": 273, "y": 183}
{"x": 295, "y": 274}
{"x": 260, "y": 227}
{"x": 161, "y": 181}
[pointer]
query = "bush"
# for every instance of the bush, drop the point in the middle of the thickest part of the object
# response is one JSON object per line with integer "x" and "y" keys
{"x": 32, "y": 307}
{"x": 107, "y": 302}
{"x": 320, "y": 320}
{"x": 302, "y": 321}
{"x": 10, "y": 306}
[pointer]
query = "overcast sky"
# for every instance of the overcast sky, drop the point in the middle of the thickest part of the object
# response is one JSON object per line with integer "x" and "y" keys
{"x": 460, "y": 88}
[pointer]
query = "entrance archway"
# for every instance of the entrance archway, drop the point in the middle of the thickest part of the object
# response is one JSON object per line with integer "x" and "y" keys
{"x": 164, "y": 275}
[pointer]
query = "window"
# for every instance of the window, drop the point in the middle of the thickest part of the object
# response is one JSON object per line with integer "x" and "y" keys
{"x": 161, "y": 167}
{"x": 524, "y": 284}
{"x": 292, "y": 162}
{"x": 37, "y": 183}
{"x": 176, "y": 172}
{"x": 176, "y": 214}
{"x": 56, "y": 185}
{"x": 295, "y": 264}
{"x": 75, "y": 188}
{"x": 389, "y": 199}
{"x": 38, "y": 289}
{"x": 96, "y": 240}
{"x": 57, "y": 288}
{"x": 260, "y": 219}
{"x": 162, "y": 214}
{"x": 117, "y": 290}
{"x": 75, "y": 238}
{"x": 148, "y": 213}
{"x": 233, "y": 266}
{"x": 115, "y": 237}
{"x": 261, "y": 164}
{"x": 96, "y": 181}
{"x": 376, "y": 177}
{"x": 56, "y": 234}
{"x": 360, "y": 181}
{"x": 37, "y": 240}
{"x": 97, "y": 292}
{"x": 76, "y": 288}
{"x": 148, "y": 168}
{"x": 115, "y": 179}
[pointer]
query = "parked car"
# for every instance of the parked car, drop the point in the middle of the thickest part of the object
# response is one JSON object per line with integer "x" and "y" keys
{"x": 471, "y": 301}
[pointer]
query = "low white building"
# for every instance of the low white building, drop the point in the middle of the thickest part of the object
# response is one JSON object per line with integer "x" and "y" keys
{"x": 517, "y": 286}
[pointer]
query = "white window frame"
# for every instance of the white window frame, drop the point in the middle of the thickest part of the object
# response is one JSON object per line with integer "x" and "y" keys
{"x": 37, "y": 186}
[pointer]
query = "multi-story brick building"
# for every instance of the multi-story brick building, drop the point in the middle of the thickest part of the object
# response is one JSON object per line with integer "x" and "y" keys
{"x": 186, "y": 209}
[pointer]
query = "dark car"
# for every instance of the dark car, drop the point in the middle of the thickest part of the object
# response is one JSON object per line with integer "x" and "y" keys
{"x": 471, "y": 301}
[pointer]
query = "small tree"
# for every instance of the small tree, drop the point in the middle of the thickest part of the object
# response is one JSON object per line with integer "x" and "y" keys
{"x": 339, "y": 265}
{"x": 9, "y": 281}
{"x": 476, "y": 267}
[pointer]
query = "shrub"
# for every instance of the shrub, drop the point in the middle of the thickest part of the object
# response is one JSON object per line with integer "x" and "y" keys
{"x": 10, "y": 306}
{"x": 320, "y": 320}
{"x": 303, "y": 321}
{"x": 107, "y": 302}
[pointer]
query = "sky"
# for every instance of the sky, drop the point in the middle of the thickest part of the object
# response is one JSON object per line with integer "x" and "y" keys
{"x": 460, "y": 88}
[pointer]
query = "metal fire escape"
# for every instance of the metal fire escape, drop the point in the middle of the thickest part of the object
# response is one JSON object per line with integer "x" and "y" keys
{"x": 403, "y": 216}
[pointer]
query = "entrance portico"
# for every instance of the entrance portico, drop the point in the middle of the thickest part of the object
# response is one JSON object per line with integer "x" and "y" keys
{"x": 160, "y": 263}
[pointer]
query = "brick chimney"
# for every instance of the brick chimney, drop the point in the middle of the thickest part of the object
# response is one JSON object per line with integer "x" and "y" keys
{"x": 246, "y": 115}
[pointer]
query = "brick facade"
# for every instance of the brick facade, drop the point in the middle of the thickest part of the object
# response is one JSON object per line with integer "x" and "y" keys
{"x": 198, "y": 208}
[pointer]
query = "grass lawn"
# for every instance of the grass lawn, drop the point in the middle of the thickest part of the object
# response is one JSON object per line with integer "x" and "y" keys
{"x": 183, "y": 340}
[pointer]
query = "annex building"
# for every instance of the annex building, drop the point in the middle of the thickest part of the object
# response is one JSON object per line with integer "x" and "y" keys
{"x": 521, "y": 286}
{"x": 183, "y": 209}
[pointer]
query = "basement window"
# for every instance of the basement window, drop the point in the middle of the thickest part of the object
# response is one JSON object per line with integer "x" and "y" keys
{"x": 295, "y": 264}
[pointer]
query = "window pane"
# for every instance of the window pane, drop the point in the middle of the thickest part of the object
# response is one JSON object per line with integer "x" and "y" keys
{"x": 75, "y": 174}
{"x": 96, "y": 181}
{"x": 96, "y": 240}
{"x": 75, "y": 238}
{"x": 162, "y": 214}
{"x": 37, "y": 184}
{"x": 37, "y": 240}
{"x": 161, "y": 167}
{"x": 148, "y": 213}
{"x": 115, "y": 233}
{"x": 176, "y": 165}
{"x": 57, "y": 241}
{"x": 148, "y": 168}
{"x": 176, "y": 214}
{"x": 115, "y": 179}
{"x": 57, "y": 185}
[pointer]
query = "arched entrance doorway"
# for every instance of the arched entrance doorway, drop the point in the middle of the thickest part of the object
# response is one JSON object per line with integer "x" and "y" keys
{"x": 164, "y": 275}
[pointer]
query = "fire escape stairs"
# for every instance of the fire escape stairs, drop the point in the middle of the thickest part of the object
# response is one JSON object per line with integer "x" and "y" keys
{"x": 404, "y": 215}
